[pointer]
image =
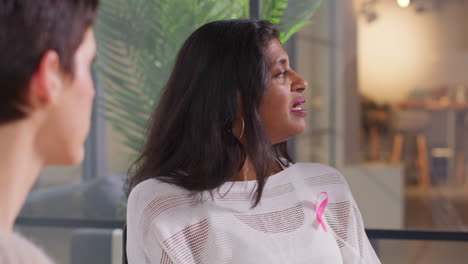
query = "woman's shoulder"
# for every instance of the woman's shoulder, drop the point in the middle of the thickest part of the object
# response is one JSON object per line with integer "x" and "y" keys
{"x": 158, "y": 209}
{"x": 14, "y": 249}
{"x": 317, "y": 170}
{"x": 317, "y": 167}
{"x": 156, "y": 186}
{"x": 154, "y": 199}
{"x": 156, "y": 192}
{"x": 321, "y": 177}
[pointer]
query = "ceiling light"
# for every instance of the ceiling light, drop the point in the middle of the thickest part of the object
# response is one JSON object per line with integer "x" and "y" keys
{"x": 404, "y": 3}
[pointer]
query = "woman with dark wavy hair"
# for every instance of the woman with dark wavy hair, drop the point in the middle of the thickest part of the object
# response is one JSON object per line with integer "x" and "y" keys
{"x": 215, "y": 183}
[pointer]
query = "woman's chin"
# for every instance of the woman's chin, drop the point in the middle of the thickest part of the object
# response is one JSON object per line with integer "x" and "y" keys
{"x": 292, "y": 133}
{"x": 299, "y": 127}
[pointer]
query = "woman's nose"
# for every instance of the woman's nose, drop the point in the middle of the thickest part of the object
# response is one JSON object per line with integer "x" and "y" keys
{"x": 299, "y": 84}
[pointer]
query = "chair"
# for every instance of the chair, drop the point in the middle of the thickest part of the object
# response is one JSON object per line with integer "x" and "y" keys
{"x": 96, "y": 246}
{"x": 406, "y": 123}
{"x": 124, "y": 245}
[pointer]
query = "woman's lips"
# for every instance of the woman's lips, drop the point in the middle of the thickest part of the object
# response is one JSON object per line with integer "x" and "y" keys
{"x": 297, "y": 109}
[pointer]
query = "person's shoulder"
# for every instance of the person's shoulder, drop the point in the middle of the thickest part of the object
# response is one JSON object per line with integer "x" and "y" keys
{"x": 157, "y": 187}
{"x": 323, "y": 178}
{"x": 315, "y": 169}
{"x": 317, "y": 174}
{"x": 157, "y": 209}
{"x": 16, "y": 249}
{"x": 155, "y": 191}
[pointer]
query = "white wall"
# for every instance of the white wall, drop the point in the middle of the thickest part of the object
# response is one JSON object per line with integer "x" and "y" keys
{"x": 403, "y": 50}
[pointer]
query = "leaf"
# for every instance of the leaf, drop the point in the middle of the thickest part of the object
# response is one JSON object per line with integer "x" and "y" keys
{"x": 290, "y": 15}
{"x": 138, "y": 41}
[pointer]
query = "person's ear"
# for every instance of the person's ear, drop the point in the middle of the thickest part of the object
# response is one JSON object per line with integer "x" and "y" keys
{"x": 238, "y": 128}
{"x": 46, "y": 83}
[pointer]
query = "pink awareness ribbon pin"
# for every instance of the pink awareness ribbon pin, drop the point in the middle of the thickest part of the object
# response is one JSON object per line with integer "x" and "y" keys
{"x": 320, "y": 206}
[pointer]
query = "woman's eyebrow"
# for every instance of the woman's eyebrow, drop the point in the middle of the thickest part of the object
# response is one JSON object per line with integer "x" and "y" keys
{"x": 282, "y": 60}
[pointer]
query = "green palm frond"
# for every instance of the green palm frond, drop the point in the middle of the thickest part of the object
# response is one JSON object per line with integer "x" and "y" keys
{"x": 139, "y": 39}
{"x": 289, "y": 15}
{"x": 273, "y": 10}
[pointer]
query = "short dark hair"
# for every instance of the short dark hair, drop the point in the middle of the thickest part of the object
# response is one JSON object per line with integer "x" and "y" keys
{"x": 29, "y": 28}
{"x": 190, "y": 142}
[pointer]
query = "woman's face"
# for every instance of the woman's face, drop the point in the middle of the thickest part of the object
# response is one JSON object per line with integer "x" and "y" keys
{"x": 281, "y": 107}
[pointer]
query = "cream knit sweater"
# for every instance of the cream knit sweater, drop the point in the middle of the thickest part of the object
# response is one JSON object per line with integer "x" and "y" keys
{"x": 168, "y": 226}
{"x": 14, "y": 249}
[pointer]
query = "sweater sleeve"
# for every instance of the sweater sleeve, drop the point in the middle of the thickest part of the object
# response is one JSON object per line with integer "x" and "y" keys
{"x": 14, "y": 249}
{"x": 342, "y": 214}
{"x": 146, "y": 204}
{"x": 362, "y": 248}
{"x": 356, "y": 247}
{"x": 154, "y": 252}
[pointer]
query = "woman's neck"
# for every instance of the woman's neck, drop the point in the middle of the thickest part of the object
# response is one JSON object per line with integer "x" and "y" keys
{"x": 19, "y": 167}
{"x": 247, "y": 172}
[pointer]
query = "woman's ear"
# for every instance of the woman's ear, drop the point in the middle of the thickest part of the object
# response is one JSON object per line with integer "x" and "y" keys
{"x": 238, "y": 128}
{"x": 46, "y": 83}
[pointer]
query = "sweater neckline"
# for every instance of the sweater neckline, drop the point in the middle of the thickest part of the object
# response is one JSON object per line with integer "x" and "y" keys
{"x": 247, "y": 186}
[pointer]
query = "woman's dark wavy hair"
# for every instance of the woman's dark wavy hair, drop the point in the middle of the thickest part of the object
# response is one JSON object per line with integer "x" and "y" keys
{"x": 190, "y": 142}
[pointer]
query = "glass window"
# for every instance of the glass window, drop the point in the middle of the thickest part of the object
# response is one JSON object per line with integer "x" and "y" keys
{"x": 387, "y": 99}
{"x": 389, "y": 107}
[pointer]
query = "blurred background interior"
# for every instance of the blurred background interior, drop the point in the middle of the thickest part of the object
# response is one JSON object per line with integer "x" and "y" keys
{"x": 388, "y": 106}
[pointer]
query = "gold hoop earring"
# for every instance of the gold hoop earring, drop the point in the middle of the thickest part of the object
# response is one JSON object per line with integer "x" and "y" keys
{"x": 242, "y": 131}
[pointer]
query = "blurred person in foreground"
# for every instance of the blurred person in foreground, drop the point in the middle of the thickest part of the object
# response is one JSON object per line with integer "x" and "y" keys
{"x": 215, "y": 182}
{"x": 46, "y": 94}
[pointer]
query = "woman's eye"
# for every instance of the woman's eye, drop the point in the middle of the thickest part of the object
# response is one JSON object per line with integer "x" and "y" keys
{"x": 281, "y": 74}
